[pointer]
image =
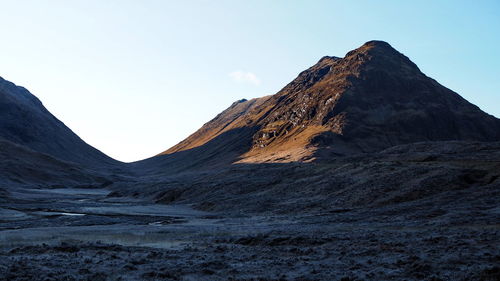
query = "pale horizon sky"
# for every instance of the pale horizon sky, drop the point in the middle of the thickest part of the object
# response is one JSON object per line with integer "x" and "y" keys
{"x": 133, "y": 78}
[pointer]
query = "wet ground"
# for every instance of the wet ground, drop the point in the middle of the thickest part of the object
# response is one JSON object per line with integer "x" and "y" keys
{"x": 82, "y": 234}
{"x": 55, "y": 215}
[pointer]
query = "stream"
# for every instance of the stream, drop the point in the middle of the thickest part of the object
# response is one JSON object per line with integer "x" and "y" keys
{"x": 52, "y": 216}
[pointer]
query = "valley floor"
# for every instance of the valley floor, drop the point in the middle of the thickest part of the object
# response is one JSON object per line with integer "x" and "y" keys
{"x": 83, "y": 234}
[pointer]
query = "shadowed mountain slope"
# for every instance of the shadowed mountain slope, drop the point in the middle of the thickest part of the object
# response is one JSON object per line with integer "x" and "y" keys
{"x": 26, "y": 122}
{"x": 21, "y": 166}
{"x": 371, "y": 99}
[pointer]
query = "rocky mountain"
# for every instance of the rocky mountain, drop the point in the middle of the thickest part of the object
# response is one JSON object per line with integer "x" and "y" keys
{"x": 26, "y": 122}
{"x": 369, "y": 100}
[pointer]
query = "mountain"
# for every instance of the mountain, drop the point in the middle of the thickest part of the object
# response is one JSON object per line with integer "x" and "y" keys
{"x": 26, "y": 122}
{"x": 369, "y": 100}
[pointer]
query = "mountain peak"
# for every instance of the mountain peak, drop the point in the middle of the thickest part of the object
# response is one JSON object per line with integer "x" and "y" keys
{"x": 377, "y": 44}
{"x": 375, "y": 48}
{"x": 381, "y": 56}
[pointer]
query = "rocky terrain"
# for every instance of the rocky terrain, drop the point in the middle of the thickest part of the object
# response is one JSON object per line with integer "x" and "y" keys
{"x": 437, "y": 227}
{"x": 362, "y": 168}
{"x": 88, "y": 234}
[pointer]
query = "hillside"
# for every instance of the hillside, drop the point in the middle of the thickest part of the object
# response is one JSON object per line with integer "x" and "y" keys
{"x": 26, "y": 122}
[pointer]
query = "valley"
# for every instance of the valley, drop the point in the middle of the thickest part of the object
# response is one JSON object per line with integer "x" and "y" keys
{"x": 101, "y": 234}
{"x": 361, "y": 168}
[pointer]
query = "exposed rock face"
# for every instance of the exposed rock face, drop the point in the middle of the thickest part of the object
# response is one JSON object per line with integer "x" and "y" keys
{"x": 25, "y": 121}
{"x": 371, "y": 99}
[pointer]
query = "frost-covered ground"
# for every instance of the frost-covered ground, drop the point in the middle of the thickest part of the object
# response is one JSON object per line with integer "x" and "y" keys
{"x": 84, "y": 235}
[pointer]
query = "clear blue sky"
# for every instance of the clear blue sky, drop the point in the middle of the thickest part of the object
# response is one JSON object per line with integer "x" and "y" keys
{"x": 133, "y": 78}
